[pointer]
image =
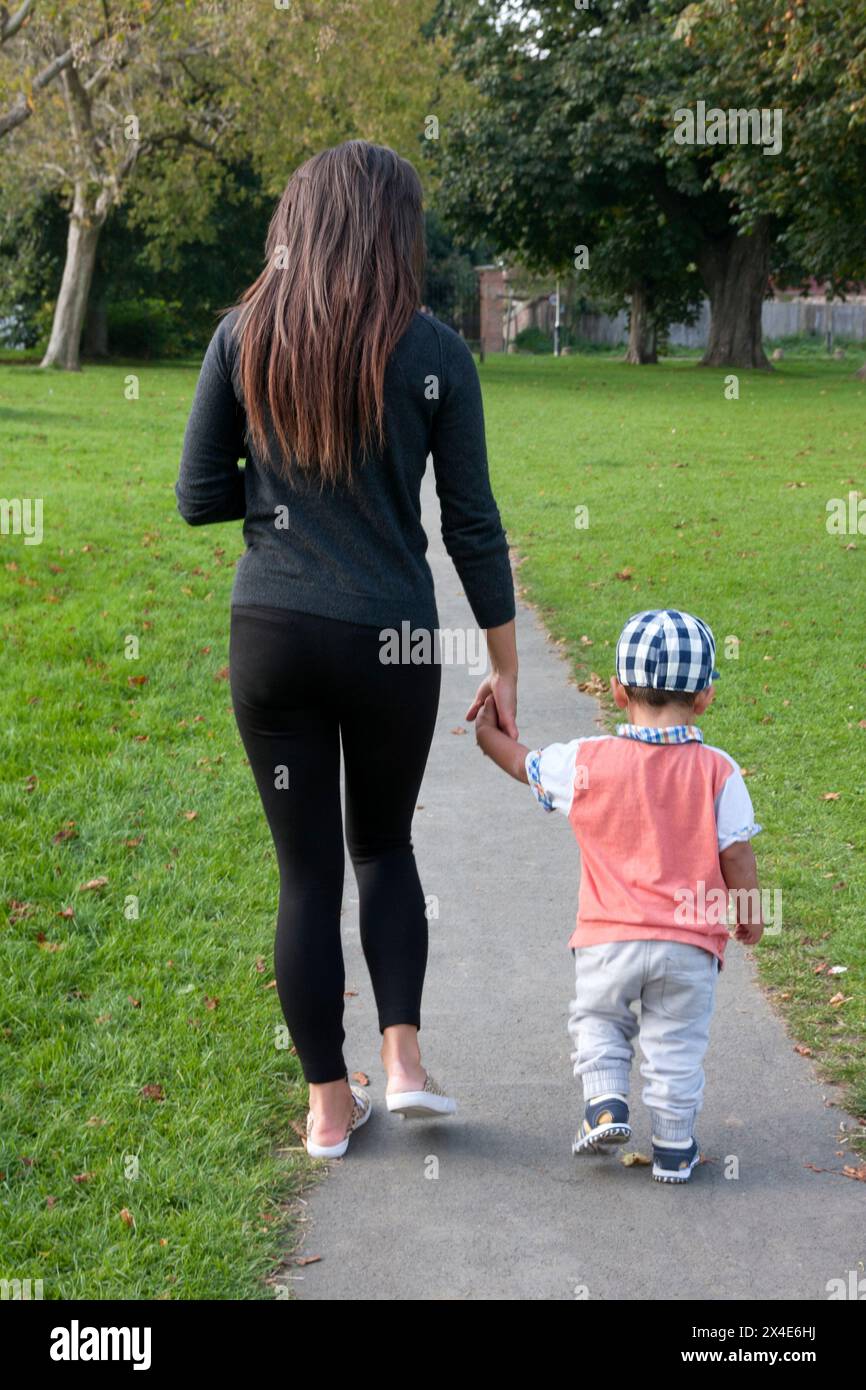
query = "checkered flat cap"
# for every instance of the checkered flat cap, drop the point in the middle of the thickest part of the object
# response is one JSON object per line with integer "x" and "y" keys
{"x": 666, "y": 650}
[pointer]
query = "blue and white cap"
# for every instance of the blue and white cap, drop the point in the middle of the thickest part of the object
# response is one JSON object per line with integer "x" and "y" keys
{"x": 666, "y": 650}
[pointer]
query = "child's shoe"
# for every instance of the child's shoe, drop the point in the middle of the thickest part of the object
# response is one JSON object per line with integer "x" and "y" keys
{"x": 674, "y": 1164}
{"x": 605, "y": 1122}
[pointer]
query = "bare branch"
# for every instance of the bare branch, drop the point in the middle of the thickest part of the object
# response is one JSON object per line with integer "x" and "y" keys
{"x": 22, "y": 108}
{"x": 9, "y": 27}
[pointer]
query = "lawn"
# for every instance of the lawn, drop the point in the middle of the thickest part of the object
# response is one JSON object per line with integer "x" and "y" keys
{"x": 719, "y": 506}
{"x": 144, "y": 1097}
{"x": 146, "y": 1143}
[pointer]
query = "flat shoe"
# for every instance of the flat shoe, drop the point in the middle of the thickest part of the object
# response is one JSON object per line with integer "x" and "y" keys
{"x": 361, "y": 1112}
{"x": 430, "y": 1103}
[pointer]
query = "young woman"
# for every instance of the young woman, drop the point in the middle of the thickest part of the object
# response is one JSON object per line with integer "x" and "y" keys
{"x": 335, "y": 389}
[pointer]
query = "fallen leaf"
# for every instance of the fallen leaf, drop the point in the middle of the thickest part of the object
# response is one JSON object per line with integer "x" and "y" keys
{"x": 136, "y": 680}
{"x": 18, "y": 910}
{"x": 635, "y": 1160}
{"x": 308, "y": 1259}
{"x": 190, "y": 815}
{"x": 831, "y": 796}
{"x": 859, "y": 1174}
{"x": 803, "y": 1050}
{"x": 210, "y": 1003}
{"x": 625, "y": 574}
{"x": 66, "y": 832}
{"x": 81, "y": 1177}
{"x": 152, "y": 1092}
{"x": 127, "y": 1217}
{"x": 66, "y": 912}
{"x": 92, "y": 884}
{"x": 838, "y": 1000}
{"x": 458, "y": 731}
{"x": 222, "y": 674}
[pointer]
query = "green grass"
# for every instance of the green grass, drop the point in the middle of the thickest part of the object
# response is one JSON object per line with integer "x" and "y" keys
{"x": 698, "y": 496}
{"x": 99, "y": 1005}
{"x": 719, "y": 507}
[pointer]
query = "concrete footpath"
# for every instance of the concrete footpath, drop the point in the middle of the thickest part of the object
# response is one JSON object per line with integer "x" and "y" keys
{"x": 491, "y": 1204}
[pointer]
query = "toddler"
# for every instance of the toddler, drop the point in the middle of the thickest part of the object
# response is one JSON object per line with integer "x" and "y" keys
{"x": 664, "y": 824}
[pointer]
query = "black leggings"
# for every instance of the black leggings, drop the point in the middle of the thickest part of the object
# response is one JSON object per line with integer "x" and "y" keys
{"x": 301, "y": 684}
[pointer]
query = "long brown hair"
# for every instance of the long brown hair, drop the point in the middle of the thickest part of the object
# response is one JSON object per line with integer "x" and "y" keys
{"x": 344, "y": 266}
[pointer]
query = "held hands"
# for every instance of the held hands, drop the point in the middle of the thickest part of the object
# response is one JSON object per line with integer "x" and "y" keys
{"x": 487, "y": 718}
{"x": 502, "y": 690}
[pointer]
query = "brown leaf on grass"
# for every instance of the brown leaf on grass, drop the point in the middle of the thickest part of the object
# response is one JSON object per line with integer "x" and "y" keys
{"x": 141, "y": 738}
{"x": 625, "y": 574}
{"x": 66, "y": 832}
{"x": 803, "y": 1050}
{"x": 32, "y": 782}
{"x": 18, "y": 910}
{"x": 136, "y": 1003}
{"x": 831, "y": 796}
{"x": 66, "y": 912}
{"x": 190, "y": 815}
{"x": 308, "y": 1260}
{"x": 45, "y": 945}
{"x": 127, "y": 1217}
{"x": 50, "y": 1202}
{"x": 222, "y": 674}
{"x": 204, "y": 651}
{"x": 210, "y": 1002}
{"x": 361, "y": 1077}
{"x": 152, "y": 1092}
{"x": 298, "y": 1129}
{"x": 134, "y": 842}
{"x": 838, "y": 1000}
{"x": 819, "y": 969}
{"x": 92, "y": 885}
{"x": 94, "y": 1122}
{"x": 272, "y": 984}
{"x": 81, "y": 1177}
{"x": 136, "y": 680}
{"x": 260, "y": 965}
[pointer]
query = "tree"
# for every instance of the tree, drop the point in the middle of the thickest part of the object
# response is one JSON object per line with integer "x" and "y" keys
{"x": 163, "y": 97}
{"x": 575, "y": 115}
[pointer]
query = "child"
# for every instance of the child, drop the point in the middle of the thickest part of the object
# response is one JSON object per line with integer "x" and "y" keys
{"x": 663, "y": 822}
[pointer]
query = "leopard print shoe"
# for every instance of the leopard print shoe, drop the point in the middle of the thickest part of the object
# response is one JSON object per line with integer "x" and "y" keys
{"x": 361, "y": 1112}
{"x": 430, "y": 1103}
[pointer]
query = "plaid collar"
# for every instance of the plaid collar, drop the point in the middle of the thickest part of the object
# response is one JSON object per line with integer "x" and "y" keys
{"x": 675, "y": 733}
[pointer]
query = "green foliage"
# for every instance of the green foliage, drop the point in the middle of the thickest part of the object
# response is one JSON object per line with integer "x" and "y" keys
{"x": 147, "y": 328}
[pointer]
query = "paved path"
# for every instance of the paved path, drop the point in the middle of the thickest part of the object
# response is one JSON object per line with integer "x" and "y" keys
{"x": 511, "y": 1215}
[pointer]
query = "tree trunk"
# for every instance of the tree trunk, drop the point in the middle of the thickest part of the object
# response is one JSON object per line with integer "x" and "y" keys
{"x": 96, "y": 327}
{"x": 64, "y": 344}
{"x": 641, "y": 331}
{"x": 735, "y": 271}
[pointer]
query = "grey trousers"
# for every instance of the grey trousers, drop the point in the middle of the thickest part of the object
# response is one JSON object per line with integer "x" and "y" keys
{"x": 675, "y": 984}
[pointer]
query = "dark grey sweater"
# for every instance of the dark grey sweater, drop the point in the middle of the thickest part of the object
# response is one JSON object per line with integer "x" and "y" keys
{"x": 356, "y": 551}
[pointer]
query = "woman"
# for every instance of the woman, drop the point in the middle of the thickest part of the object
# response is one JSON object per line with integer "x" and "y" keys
{"x": 335, "y": 389}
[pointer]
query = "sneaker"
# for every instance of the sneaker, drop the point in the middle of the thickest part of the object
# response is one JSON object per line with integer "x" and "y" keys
{"x": 604, "y": 1122}
{"x": 675, "y": 1165}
